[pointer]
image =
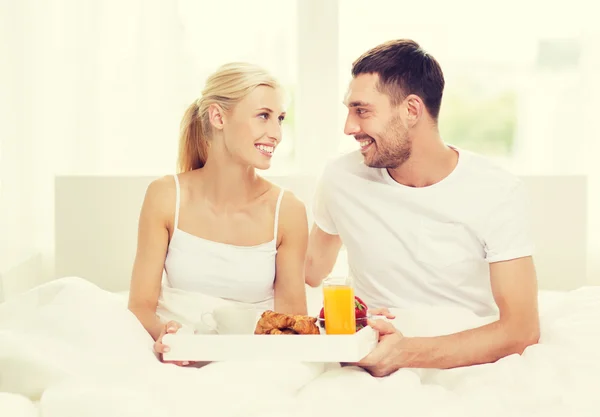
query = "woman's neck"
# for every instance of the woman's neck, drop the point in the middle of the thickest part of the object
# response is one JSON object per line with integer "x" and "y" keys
{"x": 228, "y": 184}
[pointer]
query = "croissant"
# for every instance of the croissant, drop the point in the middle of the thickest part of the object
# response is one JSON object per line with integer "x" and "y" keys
{"x": 284, "y": 331}
{"x": 271, "y": 322}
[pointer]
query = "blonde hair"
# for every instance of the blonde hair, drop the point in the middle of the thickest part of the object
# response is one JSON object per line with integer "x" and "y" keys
{"x": 226, "y": 87}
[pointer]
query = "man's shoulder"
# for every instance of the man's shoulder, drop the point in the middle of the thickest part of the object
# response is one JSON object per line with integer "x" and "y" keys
{"x": 347, "y": 163}
{"x": 488, "y": 173}
{"x": 349, "y": 170}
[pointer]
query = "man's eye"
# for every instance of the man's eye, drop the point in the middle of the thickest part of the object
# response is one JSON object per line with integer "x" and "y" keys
{"x": 360, "y": 111}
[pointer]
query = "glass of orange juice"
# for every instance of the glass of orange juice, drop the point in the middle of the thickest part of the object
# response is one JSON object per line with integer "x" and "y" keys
{"x": 338, "y": 303}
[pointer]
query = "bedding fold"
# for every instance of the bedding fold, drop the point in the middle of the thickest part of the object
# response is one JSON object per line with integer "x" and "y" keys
{"x": 77, "y": 350}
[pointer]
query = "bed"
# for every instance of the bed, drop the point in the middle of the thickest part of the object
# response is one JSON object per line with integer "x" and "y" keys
{"x": 69, "y": 347}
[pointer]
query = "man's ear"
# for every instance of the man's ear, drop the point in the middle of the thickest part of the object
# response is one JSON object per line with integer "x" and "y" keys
{"x": 414, "y": 108}
{"x": 216, "y": 115}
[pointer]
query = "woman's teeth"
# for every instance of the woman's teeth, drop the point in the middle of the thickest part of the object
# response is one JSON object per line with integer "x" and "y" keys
{"x": 265, "y": 148}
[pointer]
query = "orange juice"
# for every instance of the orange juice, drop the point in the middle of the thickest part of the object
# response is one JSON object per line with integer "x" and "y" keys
{"x": 338, "y": 303}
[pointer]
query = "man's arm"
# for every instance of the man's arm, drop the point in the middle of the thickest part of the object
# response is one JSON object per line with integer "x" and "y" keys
{"x": 514, "y": 286}
{"x": 323, "y": 250}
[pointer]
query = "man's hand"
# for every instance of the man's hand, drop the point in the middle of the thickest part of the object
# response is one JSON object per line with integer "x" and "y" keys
{"x": 388, "y": 355}
{"x": 381, "y": 312}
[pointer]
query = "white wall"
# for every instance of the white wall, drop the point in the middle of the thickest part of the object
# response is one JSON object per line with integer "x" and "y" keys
{"x": 88, "y": 86}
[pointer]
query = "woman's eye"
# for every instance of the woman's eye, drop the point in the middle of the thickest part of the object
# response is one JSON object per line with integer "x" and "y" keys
{"x": 281, "y": 119}
{"x": 264, "y": 116}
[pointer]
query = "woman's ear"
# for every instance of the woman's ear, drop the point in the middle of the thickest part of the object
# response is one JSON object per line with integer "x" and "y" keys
{"x": 216, "y": 115}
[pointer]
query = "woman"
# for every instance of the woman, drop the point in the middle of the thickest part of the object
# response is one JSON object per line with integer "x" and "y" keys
{"x": 217, "y": 227}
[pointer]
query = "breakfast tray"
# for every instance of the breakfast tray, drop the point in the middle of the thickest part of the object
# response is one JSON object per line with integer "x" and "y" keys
{"x": 303, "y": 348}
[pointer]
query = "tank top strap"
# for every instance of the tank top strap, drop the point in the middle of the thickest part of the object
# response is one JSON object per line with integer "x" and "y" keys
{"x": 279, "y": 198}
{"x": 177, "y": 201}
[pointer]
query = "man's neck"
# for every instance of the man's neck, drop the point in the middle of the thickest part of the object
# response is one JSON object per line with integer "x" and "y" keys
{"x": 431, "y": 161}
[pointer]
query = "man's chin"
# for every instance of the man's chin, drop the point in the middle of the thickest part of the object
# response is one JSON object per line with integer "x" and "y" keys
{"x": 369, "y": 160}
{"x": 371, "y": 164}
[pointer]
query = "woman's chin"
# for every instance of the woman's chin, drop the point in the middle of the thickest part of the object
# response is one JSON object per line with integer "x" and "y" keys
{"x": 262, "y": 165}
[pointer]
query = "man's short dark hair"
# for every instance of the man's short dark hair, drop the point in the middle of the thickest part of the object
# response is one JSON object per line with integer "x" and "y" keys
{"x": 404, "y": 68}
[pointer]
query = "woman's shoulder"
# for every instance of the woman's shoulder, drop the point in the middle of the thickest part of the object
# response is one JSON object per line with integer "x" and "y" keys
{"x": 161, "y": 187}
{"x": 160, "y": 195}
{"x": 289, "y": 201}
{"x": 292, "y": 210}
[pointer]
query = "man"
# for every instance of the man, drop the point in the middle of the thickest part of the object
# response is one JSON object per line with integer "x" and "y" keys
{"x": 424, "y": 223}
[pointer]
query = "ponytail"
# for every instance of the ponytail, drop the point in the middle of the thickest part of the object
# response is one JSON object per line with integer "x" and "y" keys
{"x": 227, "y": 86}
{"x": 192, "y": 141}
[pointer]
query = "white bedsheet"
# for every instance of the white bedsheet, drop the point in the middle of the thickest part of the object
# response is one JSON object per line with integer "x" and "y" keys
{"x": 75, "y": 351}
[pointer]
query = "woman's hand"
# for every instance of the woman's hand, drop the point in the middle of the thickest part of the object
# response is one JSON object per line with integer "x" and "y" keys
{"x": 171, "y": 327}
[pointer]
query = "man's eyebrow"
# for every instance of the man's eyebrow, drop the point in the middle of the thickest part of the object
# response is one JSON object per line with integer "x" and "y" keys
{"x": 358, "y": 103}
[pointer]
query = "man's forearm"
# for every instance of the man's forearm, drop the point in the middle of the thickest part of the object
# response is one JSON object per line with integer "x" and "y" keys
{"x": 315, "y": 270}
{"x": 318, "y": 266}
{"x": 484, "y": 344}
{"x": 321, "y": 255}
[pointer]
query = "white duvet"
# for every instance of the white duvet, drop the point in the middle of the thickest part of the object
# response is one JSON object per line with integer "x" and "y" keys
{"x": 70, "y": 349}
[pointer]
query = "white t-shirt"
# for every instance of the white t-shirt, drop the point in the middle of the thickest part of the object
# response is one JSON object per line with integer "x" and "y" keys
{"x": 431, "y": 245}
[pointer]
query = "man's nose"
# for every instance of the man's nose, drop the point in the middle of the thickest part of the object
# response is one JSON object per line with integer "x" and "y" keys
{"x": 351, "y": 127}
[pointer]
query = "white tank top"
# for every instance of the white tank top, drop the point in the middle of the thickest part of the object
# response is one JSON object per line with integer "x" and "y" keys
{"x": 238, "y": 273}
